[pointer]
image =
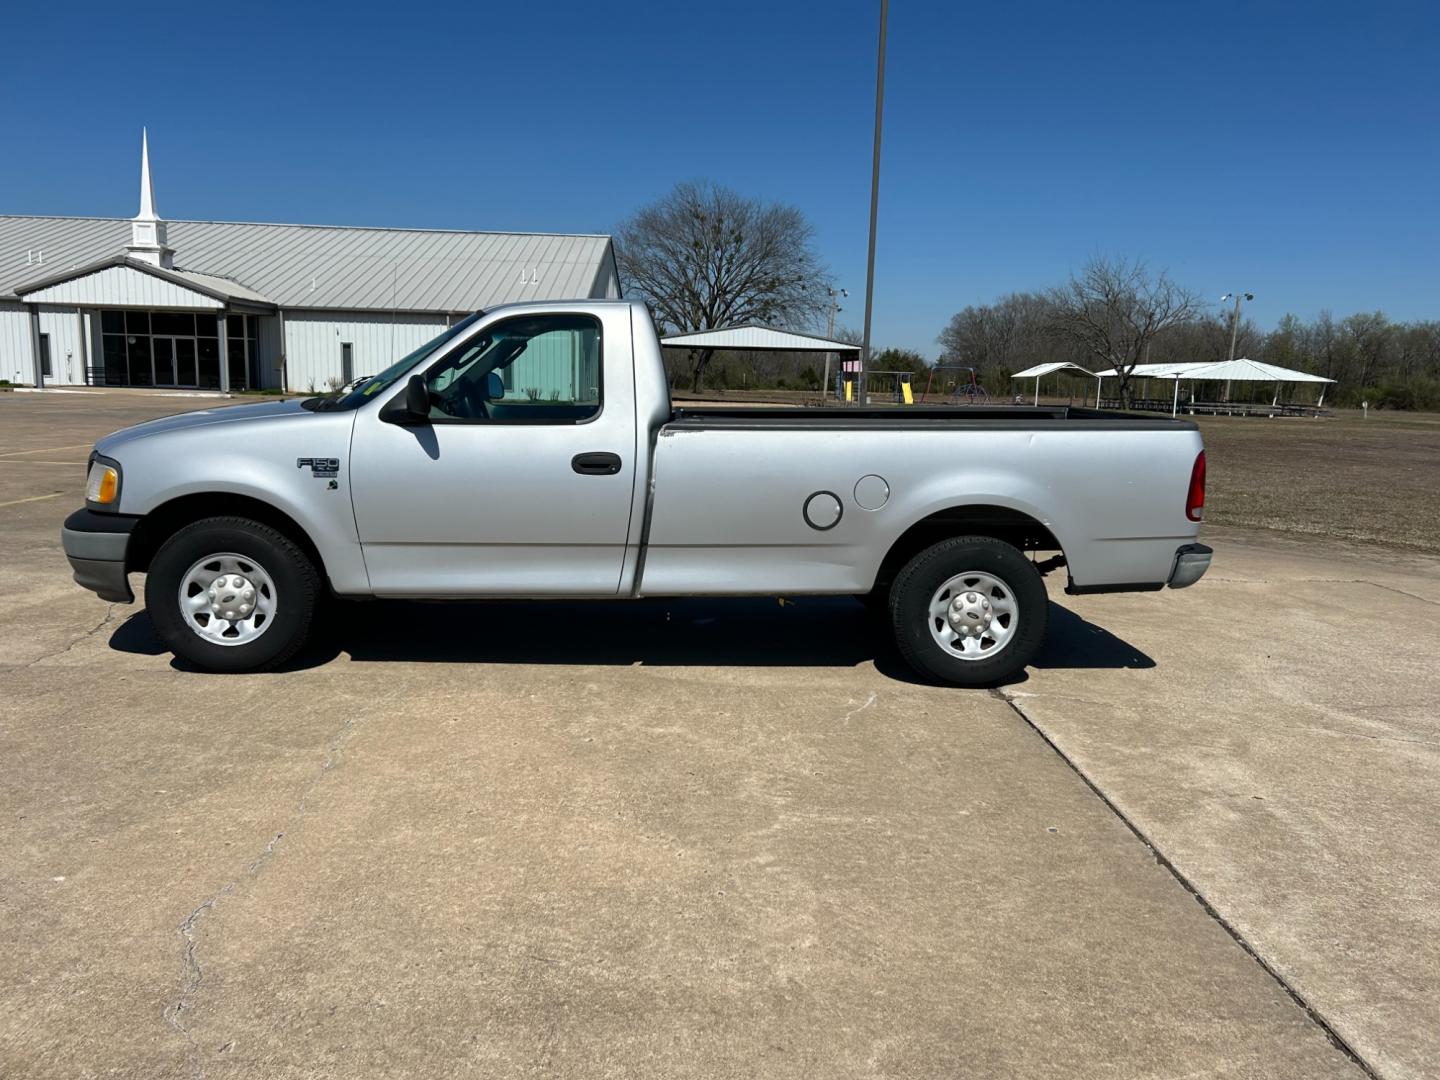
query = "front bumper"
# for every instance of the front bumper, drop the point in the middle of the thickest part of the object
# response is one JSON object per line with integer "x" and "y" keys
{"x": 1191, "y": 562}
{"x": 96, "y": 545}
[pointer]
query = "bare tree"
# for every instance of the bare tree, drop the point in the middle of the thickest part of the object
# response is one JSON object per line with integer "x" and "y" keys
{"x": 1116, "y": 308}
{"x": 704, "y": 257}
{"x": 999, "y": 338}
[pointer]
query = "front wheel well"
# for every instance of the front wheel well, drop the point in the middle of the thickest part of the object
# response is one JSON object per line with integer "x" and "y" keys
{"x": 169, "y": 518}
{"x": 1014, "y": 527}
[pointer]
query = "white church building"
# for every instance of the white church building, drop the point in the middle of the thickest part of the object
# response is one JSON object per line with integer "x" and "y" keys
{"x": 223, "y": 305}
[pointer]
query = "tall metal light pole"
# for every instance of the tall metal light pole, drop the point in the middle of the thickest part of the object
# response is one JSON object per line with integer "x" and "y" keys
{"x": 1234, "y": 327}
{"x": 874, "y": 198}
{"x": 1235, "y": 317}
{"x": 835, "y": 309}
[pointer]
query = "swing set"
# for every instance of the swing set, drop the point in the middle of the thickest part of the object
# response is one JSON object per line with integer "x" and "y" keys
{"x": 968, "y": 390}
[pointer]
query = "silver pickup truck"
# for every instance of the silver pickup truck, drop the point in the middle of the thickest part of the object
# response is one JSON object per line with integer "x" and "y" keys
{"x": 532, "y": 451}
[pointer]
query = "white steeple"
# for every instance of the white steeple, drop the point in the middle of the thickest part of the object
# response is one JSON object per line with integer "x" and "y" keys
{"x": 147, "y": 231}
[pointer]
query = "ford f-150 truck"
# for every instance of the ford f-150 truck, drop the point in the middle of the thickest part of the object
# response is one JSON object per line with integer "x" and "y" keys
{"x": 532, "y": 451}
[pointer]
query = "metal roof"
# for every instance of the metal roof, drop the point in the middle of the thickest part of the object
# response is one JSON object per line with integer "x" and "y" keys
{"x": 1150, "y": 370}
{"x": 757, "y": 338}
{"x": 1239, "y": 370}
{"x": 1041, "y": 370}
{"x": 1242, "y": 370}
{"x": 323, "y": 266}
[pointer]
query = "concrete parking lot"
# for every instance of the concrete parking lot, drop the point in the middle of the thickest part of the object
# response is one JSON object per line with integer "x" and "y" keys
{"x": 717, "y": 839}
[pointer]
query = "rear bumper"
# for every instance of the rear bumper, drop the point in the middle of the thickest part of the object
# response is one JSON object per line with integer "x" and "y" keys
{"x": 1191, "y": 562}
{"x": 1187, "y": 566}
{"x": 96, "y": 545}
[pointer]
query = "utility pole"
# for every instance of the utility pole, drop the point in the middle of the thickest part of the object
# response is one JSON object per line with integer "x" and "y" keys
{"x": 874, "y": 198}
{"x": 1234, "y": 327}
{"x": 835, "y": 309}
{"x": 1235, "y": 317}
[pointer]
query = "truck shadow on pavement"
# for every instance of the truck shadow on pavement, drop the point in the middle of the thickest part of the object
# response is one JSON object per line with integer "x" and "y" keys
{"x": 834, "y": 631}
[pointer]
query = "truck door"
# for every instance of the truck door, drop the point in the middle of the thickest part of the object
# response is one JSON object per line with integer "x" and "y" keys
{"x": 522, "y": 482}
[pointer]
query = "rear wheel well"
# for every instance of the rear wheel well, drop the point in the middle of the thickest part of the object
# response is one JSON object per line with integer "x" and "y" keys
{"x": 169, "y": 518}
{"x": 1011, "y": 526}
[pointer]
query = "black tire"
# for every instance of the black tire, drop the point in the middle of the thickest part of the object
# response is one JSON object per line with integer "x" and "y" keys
{"x": 876, "y": 603}
{"x": 923, "y": 576}
{"x": 296, "y": 583}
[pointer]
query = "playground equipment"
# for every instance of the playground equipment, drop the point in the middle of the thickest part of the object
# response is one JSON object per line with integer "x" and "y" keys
{"x": 970, "y": 388}
{"x": 903, "y": 393}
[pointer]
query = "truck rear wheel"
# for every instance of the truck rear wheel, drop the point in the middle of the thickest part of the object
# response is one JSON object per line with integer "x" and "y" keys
{"x": 968, "y": 611}
{"x": 229, "y": 594}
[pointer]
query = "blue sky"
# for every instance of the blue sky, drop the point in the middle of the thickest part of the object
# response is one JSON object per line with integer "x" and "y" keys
{"x": 1289, "y": 149}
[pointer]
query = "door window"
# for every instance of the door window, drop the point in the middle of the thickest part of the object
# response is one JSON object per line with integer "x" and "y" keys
{"x": 536, "y": 369}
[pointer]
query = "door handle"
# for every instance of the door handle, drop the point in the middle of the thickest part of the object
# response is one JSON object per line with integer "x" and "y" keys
{"x": 596, "y": 464}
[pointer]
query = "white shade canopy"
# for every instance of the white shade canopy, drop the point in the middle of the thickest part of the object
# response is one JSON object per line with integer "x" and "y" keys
{"x": 757, "y": 338}
{"x": 1241, "y": 370}
{"x": 1040, "y": 370}
{"x": 1238, "y": 371}
{"x": 1150, "y": 370}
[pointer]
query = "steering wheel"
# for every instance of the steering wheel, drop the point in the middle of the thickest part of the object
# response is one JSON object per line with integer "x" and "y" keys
{"x": 472, "y": 400}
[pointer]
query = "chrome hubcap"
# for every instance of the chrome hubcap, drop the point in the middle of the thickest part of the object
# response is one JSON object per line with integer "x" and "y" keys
{"x": 232, "y": 597}
{"x": 973, "y": 616}
{"x": 227, "y": 599}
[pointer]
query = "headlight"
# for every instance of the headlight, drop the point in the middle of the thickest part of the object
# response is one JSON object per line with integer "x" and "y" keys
{"x": 102, "y": 486}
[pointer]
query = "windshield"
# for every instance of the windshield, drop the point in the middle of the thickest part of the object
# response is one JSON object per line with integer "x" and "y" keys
{"x": 376, "y": 384}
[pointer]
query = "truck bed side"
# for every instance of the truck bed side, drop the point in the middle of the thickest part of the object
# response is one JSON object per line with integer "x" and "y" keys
{"x": 730, "y": 491}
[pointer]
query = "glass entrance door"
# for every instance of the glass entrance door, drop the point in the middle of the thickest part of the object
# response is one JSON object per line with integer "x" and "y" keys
{"x": 174, "y": 362}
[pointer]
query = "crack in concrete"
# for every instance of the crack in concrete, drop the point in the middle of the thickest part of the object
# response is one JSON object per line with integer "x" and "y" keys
{"x": 1357, "y": 735}
{"x": 192, "y": 973}
{"x": 868, "y": 702}
{"x": 109, "y": 616}
{"x": 1013, "y": 696}
{"x": 1322, "y": 581}
{"x": 1336, "y": 1039}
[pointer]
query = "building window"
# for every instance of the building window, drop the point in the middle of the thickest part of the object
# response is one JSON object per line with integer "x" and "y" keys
{"x": 45, "y": 356}
{"x": 154, "y": 348}
{"x": 244, "y": 355}
{"x": 347, "y": 363}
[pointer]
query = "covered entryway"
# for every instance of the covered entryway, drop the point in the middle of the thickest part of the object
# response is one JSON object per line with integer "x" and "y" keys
{"x": 145, "y": 325}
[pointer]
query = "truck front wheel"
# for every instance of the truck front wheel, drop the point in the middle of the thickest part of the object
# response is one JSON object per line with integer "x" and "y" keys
{"x": 229, "y": 594}
{"x": 969, "y": 611}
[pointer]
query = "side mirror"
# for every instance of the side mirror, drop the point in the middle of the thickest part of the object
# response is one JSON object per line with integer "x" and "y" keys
{"x": 494, "y": 386}
{"x": 410, "y": 408}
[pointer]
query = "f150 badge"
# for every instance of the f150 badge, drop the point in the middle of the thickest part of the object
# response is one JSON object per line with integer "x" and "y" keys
{"x": 320, "y": 467}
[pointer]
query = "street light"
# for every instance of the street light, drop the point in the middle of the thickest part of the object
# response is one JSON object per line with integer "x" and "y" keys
{"x": 874, "y": 197}
{"x": 1234, "y": 328}
{"x": 1235, "y": 318}
{"x": 835, "y": 309}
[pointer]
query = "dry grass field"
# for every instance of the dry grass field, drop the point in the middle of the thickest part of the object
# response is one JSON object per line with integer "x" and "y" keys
{"x": 1346, "y": 477}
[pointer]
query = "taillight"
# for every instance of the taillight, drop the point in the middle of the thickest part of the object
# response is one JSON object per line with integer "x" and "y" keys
{"x": 1195, "y": 497}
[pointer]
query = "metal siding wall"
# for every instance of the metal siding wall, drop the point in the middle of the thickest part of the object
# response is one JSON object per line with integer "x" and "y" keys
{"x": 546, "y": 366}
{"x": 15, "y": 343}
{"x": 59, "y": 323}
{"x": 606, "y": 287}
{"x": 312, "y": 342}
{"x": 552, "y": 364}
